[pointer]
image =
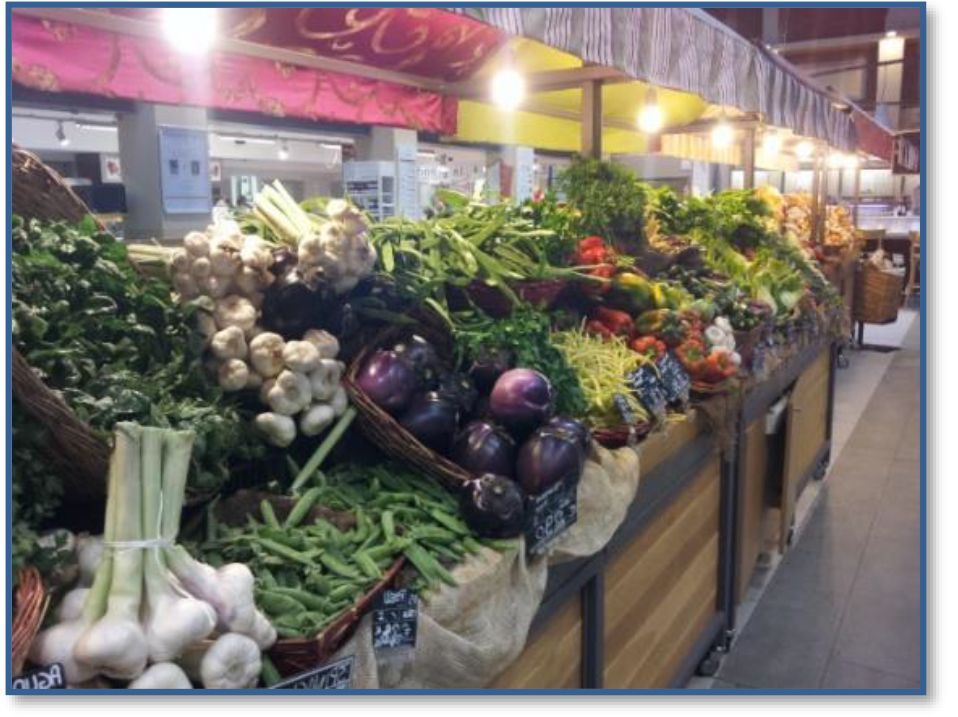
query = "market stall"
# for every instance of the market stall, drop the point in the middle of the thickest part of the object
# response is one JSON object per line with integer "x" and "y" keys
{"x": 502, "y": 446}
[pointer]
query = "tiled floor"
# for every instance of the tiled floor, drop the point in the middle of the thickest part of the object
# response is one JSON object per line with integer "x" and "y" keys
{"x": 842, "y": 610}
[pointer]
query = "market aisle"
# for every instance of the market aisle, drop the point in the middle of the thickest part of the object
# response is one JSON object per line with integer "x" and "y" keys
{"x": 842, "y": 610}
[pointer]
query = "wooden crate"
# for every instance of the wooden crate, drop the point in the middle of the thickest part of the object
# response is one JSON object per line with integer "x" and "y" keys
{"x": 553, "y": 656}
{"x": 661, "y": 590}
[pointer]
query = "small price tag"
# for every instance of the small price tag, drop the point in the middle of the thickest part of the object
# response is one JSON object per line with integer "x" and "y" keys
{"x": 395, "y": 619}
{"x": 624, "y": 409}
{"x": 334, "y": 676}
{"x": 550, "y": 514}
{"x": 648, "y": 387}
{"x": 674, "y": 378}
{"x": 50, "y": 677}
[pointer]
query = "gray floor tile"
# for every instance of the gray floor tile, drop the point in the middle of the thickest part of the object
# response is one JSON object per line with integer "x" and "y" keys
{"x": 782, "y": 647}
{"x": 880, "y": 630}
{"x": 842, "y": 674}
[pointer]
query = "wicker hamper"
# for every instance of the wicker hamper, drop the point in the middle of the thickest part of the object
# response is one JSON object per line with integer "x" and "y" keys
{"x": 877, "y": 295}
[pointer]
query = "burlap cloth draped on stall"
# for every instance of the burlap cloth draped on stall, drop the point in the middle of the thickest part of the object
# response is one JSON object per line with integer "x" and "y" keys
{"x": 470, "y": 633}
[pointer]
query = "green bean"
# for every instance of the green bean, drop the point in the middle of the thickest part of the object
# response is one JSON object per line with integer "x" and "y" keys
{"x": 269, "y": 515}
{"x": 471, "y": 544}
{"x": 285, "y": 551}
{"x": 308, "y": 600}
{"x": 346, "y": 590}
{"x": 427, "y": 565}
{"x": 276, "y": 603}
{"x": 440, "y": 549}
{"x": 269, "y": 673}
{"x": 287, "y": 632}
{"x": 451, "y": 522}
{"x": 433, "y": 533}
{"x": 389, "y": 527}
{"x": 302, "y": 507}
{"x": 338, "y": 567}
{"x": 367, "y": 565}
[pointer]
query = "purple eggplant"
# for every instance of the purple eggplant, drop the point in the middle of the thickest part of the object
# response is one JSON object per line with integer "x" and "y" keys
{"x": 389, "y": 381}
{"x": 488, "y": 367}
{"x": 521, "y": 400}
{"x": 547, "y": 458}
{"x": 432, "y": 419}
{"x": 481, "y": 447}
{"x": 493, "y": 506}
{"x": 576, "y": 429}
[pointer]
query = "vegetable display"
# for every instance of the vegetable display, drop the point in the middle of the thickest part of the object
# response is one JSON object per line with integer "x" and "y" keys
{"x": 150, "y": 602}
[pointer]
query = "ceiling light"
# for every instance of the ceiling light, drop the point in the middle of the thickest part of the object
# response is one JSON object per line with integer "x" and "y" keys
{"x": 722, "y": 134}
{"x": 651, "y": 117}
{"x": 771, "y": 143}
{"x": 891, "y": 33}
{"x": 283, "y": 152}
{"x": 804, "y": 150}
{"x": 508, "y": 89}
{"x": 95, "y": 127}
{"x": 836, "y": 160}
{"x": 61, "y": 135}
{"x": 191, "y": 30}
{"x": 850, "y": 161}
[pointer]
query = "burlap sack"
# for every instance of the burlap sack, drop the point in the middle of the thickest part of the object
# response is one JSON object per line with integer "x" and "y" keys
{"x": 607, "y": 488}
{"x": 466, "y": 635}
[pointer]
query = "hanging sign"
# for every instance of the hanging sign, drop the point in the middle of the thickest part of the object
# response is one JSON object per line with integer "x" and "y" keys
{"x": 184, "y": 170}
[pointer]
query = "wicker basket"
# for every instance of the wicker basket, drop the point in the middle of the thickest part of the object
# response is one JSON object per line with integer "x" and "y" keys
{"x": 292, "y": 656}
{"x": 621, "y": 435}
{"x": 384, "y": 430}
{"x": 40, "y": 193}
{"x": 541, "y": 294}
{"x": 877, "y": 295}
{"x": 29, "y": 607}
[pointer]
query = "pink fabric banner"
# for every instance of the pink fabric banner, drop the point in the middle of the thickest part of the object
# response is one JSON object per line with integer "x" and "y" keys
{"x": 58, "y": 57}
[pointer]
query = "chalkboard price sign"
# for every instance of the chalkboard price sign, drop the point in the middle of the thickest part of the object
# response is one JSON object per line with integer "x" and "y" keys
{"x": 649, "y": 388}
{"x": 550, "y": 514}
{"x": 395, "y": 619}
{"x": 51, "y": 677}
{"x": 334, "y": 676}
{"x": 674, "y": 378}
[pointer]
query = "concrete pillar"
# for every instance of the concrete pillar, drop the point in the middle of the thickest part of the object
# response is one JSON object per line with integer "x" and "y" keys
{"x": 388, "y": 144}
{"x": 139, "y": 140}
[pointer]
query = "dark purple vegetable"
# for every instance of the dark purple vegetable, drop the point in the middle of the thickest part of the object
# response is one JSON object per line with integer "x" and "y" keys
{"x": 493, "y": 506}
{"x": 521, "y": 400}
{"x": 459, "y": 389}
{"x": 284, "y": 261}
{"x": 488, "y": 367}
{"x": 432, "y": 419}
{"x": 291, "y": 307}
{"x": 547, "y": 458}
{"x": 388, "y": 381}
{"x": 481, "y": 447}
{"x": 421, "y": 355}
{"x": 576, "y": 429}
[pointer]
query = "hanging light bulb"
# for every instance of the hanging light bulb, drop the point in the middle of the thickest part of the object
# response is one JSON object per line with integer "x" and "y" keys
{"x": 651, "y": 117}
{"x": 191, "y": 30}
{"x": 804, "y": 150}
{"x": 771, "y": 143}
{"x": 283, "y": 152}
{"x": 61, "y": 135}
{"x": 508, "y": 88}
{"x": 835, "y": 160}
{"x": 850, "y": 161}
{"x": 722, "y": 134}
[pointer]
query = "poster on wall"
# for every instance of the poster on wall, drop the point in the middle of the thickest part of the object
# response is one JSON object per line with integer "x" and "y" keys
{"x": 184, "y": 170}
{"x": 110, "y": 169}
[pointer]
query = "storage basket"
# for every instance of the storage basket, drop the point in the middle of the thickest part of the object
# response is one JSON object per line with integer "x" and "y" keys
{"x": 292, "y": 656}
{"x": 384, "y": 430}
{"x": 877, "y": 295}
{"x": 29, "y": 607}
{"x": 541, "y": 294}
{"x": 40, "y": 193}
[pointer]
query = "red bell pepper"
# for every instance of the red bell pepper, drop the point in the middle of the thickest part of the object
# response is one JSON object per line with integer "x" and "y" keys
{"x": 618, "y": 322}
{"x": 649, "y": 346}
{"x": 595, "y": 326}
{"x": 691, "y": 354}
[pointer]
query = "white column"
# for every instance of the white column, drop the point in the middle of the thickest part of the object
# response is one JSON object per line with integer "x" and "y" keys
{"x": 139, "y": 141}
